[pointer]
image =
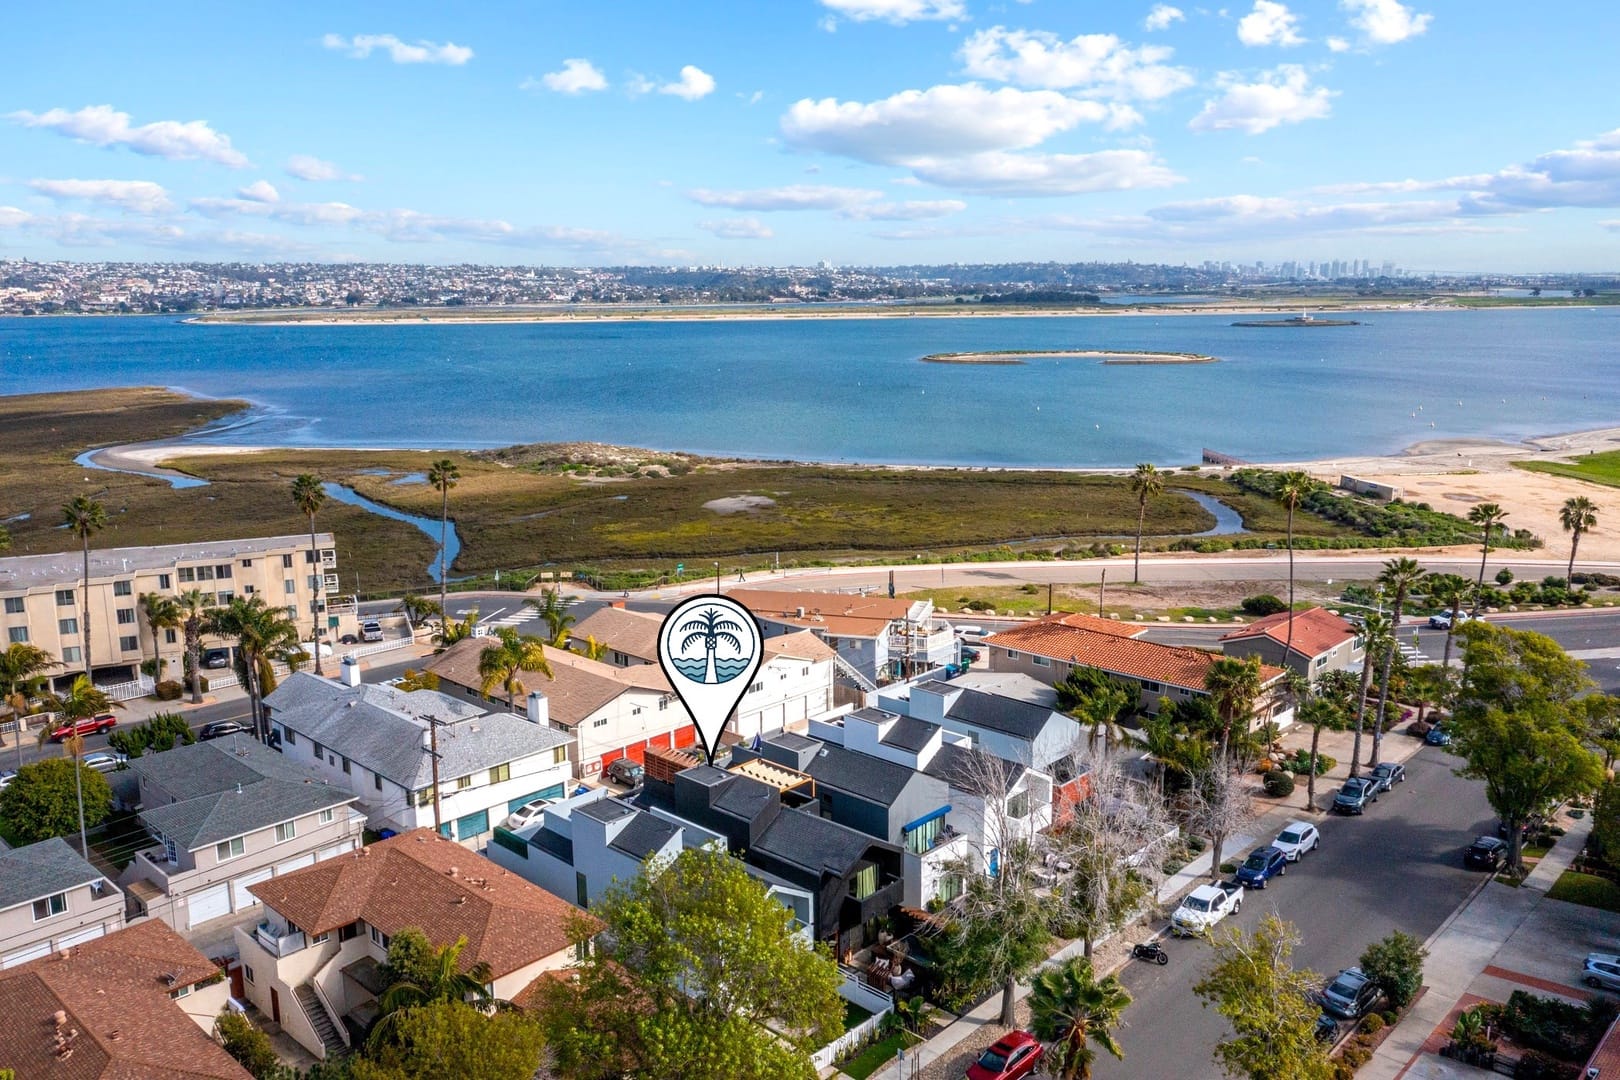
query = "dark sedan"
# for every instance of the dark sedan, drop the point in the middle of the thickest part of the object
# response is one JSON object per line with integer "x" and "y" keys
{"x": 221, "y": 728}
{"x": 1386, "y": 774}
{"x": 1485, "y": 853}
{"x": 1354, "y": 796}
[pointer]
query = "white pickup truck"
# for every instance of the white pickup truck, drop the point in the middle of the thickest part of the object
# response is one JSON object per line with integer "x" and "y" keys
{"x": 1204, "y": 907}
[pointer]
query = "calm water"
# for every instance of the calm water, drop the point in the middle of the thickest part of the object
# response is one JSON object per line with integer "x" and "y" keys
{"x": 853, "y": 389}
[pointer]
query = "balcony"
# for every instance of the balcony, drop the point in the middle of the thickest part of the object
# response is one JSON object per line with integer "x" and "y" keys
{"x": 279, "y": 941}
{"x": 158, "y": 859}
{"x": 329, "y": 584}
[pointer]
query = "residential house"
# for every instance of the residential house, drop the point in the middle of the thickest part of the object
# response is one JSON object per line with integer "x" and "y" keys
{"x": 51, "y": 899}
{"x": 225, "y": 815}
{"x": 1021, "y": 725}
{"x": 627, "y": 638}
{"x": 880, "y": 638}
{"x": 137, "y": 1004}
{"x": 379, "y": 743}
{"x": 313, "y": 963}
{"x": 1321, "y": 642}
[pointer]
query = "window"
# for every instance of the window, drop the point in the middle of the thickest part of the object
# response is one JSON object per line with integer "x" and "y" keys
{"x": 286, "y": 562}
{"x": 376, "y": 780}
{"x": 64, "y": 597}
{"x": 286, "y": 831}
{"x": 500, "y": 773}
{"x": 663, "y": 703}
{"x": 165, "y": 581}
{"x": 950, "y": 887}
{"x": 292, "y": 612}
{"x": 247, "y": 973}
{"x": 229, "y": 849}
{"x": 184, "y": 991}
{"x": 865, "y": 882}
{"x": 187, "y": 574}
{"x": 315, "y": 748}
{"x": 1151, "y": 687}
{"x": 46, "y": 907}
{"x": 757, "y": 687}
{"x": 224, "y": 596}
{"x": 248, "y": 589}
{"x": 1012, "y": 654}
{"x": 129, "y": 644}
{"x": 348, "y": 933}
{"x": 204, "y": 573}
{"x": 923, "y": 838}
{"x": 313, "y": 582}
{"x": 121, "y": 588}
{"x": 290, "y": 736}
{"x": 169, "y": 637}
{"x": 18, "y": 635}
{"x": 379, "y": 937}
{"x": 290, "y": 586}
{"x": 246, "y": 563}
{"x": 345, "y": 766}
{"x": 599, "y": 723}
{"x": 67, "y": 626}
{"x": 559, "y": 755}
{"x": 14, "y": 605}
{"x": 319, "y": 938}
{"x": 309, "y": 558}
{"x": 328, "y": 816}
{"x": 1040, "y": 661}
{"x": 73, "y": 655}
{"x": 1018, "y": 805}
{"x": 424, "y": 796}
{"x": 463, "y": 783}
{"x": 635, "y": 710}
{"x": 223, "y": 571}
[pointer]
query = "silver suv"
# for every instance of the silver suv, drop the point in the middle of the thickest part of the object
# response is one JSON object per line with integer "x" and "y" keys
{"x": 371, "y": 630}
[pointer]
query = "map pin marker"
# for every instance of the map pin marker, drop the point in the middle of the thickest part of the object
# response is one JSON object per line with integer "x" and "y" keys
{"x": 710, "y": 647}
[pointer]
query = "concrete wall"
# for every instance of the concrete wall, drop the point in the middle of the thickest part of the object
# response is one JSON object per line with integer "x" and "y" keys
{"x": 791, "y": 691}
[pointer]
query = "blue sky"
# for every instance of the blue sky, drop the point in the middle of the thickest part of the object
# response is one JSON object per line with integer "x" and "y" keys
{"x": 1440, "y": 135}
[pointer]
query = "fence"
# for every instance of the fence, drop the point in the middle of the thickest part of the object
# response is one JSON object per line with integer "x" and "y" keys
{"x": 379, "y": 647}
{"x": 869, "y": 998}
{"x": 138, "y": 687}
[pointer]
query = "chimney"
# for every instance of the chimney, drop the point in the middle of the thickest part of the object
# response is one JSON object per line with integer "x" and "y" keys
{"x": 351, "y": 671}
{"x": 616, "y": 604}
{"x": 799, "y": 611}
{"x": 539, "y": 709}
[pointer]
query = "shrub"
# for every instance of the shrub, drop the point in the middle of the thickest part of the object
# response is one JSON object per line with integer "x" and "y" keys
{"x": 979, "y": 605}
{"x": 1396, "y": 965}
{"x": 1355, "y": 1056}
{"x": 1504, "y": 576}
{"x": 1418, "y": 728}
{"x": 1552, "y": 1026}
{"x": 247, "y": 1044}
{"x": 1343, "y": 1070}
{"x": 1390, "y": 1017}
{"x": 1534, "y": 1065}
{"x": 1279, "y": 784}
{"x": 1372, "y": 1024}
{"x": 1263, "y": 604}
{"x": 168, "y": 690}
{"x": 1228, "y": 867}
{"x": 1300, "y": 763}
{"x": 163, "y": 732}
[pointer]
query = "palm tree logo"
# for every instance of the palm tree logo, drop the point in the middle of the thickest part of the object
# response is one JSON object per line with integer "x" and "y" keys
{"x": 708, "y": 630}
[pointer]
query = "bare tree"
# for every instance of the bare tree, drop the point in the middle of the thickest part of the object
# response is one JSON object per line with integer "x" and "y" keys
{"x": 1216, "y": 806}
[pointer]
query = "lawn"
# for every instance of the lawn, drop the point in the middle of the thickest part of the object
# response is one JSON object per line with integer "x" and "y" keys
{"x": 1588, "y": 890}
{"x": 854, "y": 1015}
{"x": 876, "y": 1055}
{"x": 1601, "y": 468}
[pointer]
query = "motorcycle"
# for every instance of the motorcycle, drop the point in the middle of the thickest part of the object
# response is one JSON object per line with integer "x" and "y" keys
{"x": 1152, "y": 951}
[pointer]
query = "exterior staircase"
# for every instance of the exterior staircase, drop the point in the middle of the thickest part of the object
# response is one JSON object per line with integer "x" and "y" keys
{"x": 321, "y": 1021}
{"x": 852, "y": 673}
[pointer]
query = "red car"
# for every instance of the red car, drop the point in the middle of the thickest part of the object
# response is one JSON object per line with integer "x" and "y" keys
{"x": 1014, "y": 1055}
{"x": 93, "y": 726}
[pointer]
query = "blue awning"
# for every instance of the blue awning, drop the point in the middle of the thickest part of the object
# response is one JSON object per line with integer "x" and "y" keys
{"x": 925, "y": 819}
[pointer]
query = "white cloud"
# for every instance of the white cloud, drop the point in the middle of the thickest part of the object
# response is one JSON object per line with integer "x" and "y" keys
{"x": 828, "y": 23}
{"x": 914, "y": 210}
{"x": 102, "y": 125}
{"x": 790, "y": 197}
{"x": 422, "y": 52}
{"x": 1612, "y": 226}
{"x": 737, "y": 229}
{"x": 999, "y": 173}
{"x": 693, "y": 84}
{"x": 1270, "y": 23}
{"x": 304, "y": 167}
{"x": 1385, "y": 22}
{"x": 1097, "y": 63}
{"x": 260, "y": 191}
{"x": 1283, "y": 95}
{"x": 11, "y": 217}
{"x": 1161, "y": 16}
{"x": 1338, "y": 44}
{"x": 637, "y": 84}
{"x": 898, "y": 12}
{"x": 578, "y": 76}
{"x": 138, "y": 196}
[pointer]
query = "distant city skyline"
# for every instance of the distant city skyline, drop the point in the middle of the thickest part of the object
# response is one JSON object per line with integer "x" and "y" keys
{"x": 1432, "y": 136}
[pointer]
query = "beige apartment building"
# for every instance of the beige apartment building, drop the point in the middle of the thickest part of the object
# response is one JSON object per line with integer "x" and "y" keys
{"x": 41, "y": 602}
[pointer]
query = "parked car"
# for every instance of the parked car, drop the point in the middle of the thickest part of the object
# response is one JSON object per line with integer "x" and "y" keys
{"x": 1386, "y": 774}
{"x": 1261, "y": 866}
{"x": 216, "y": 658}
{"x": 1438, "y": 736}
{"x": 1355, "y": 795}
{"x": 93, "y": 725}
{"x": 1602, "y": 971}
{"x": 221, "y": 728}
{"x": 1296, "y": 839}
{"x": 1014, "y": 1055}
{"x": 624, "y": 770}
{"x": 348, "y": 639}
{"x": 527, "y": 814}
{"x": 1485, "y": 853}
{"x": 1442, "y": 620}
{"x": 1350, "y": 996}
{"x": 371, "y": 630}
{"x": 104, "y": 760}
{"x": 1327, "y": 1029}
{"x": 6, "y": 778}
{"x": 1204, "y": 907}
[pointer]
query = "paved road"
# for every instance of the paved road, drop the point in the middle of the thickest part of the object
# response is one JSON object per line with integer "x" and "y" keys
{"x": 1397, "y": 868}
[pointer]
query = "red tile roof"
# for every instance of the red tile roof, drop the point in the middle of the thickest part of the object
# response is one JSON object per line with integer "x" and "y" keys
{"x": 1316, "y": 631}
{"x": 1176, "y": 665}
{"x": 421, "y": 879}
{"x": 1081, "y": 621}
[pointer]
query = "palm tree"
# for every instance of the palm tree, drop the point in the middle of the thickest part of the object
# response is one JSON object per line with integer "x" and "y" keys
{"x": 263, "y": 635}
{"x": 552, "y": 607}
{"x": 594, "y": 650}
{"x": 1147, "y": 483}
{"x": 1293, "y": 488}
{"x": 503, "y": 662}
{"x": 194, "y": 605}
{"x": 309, "y": 496}
{"x": 1100, "y": 714}
{"x": 81, "y": 702}
{"x": 84, "y": 516}
{"x": 443, "y": 475}
{"x": 22, "y": 678}
{"x": 1400, "y": 578}
{"x": 1233, "y": 686}
{"x": 1073, "y": 1010}
{"x": 1451, "y": 592}
{"x": 1319, "y": 712}
{"x": 445, "y": 981}
{"x": 1577, "y": 516}
{"x": 1376, "y": 637}
{"x": 417, "y": 609}
{"x": 710, "y": 628}
{"x": 1487, "y": 516}
{"x": 454, "y": 630}
{"x": 161, "y": 612}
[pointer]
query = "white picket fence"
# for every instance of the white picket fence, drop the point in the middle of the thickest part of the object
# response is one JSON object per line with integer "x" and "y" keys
{"x": 379, "y": 647}
{"x": 871, "y": 999}
{"x": 138, "y": 687}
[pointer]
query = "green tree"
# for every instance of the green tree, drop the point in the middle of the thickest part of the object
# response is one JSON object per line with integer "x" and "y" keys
{"x": 263, "y": 635}
{"x": 1376, "y": 639}
{"x": 443, "y": 474}
{"x": 161, "y": 612}
{"x": 196, "y": 611}
{"x": 1399, "y": 579}
{"x": 1449, "y": 591}
{"x": 1578, "y": 517}
{"x": 43, "y": 800}
{"x": 1255, "y": 986}
{"x": 1147, "y": 483}
{"x": 22, "y": 681}
{"x": 455, "y": 1039}
{"x": 418, "y": 609}
{"x": 1293, "y": 488}
{"x": 552, "y": 607}
{"x": 1396, "y": 965}
{"x": 248, "y": 1045}
{"x": 1319, "y": 712}
{"x": 1234, "y": 685}
{"x": 84, "y": 517}
{"x": 454, "y": 630}
{"x": 162, "y": 732}
{"x": 504, "y": 661}
{"x": 1603, "y": 725}
{"x": 1487, "y": 516}
{"x": 1075, "y": 1011}
{"x": 694, "y": 960}
{"x": 81, "y": 702}
{"x": 1606, "y": 822}
{"x": 309, "y": 496}
{"x": 425, "y": 978}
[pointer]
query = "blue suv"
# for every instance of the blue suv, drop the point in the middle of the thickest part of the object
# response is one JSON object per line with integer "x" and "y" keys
{"x": 1261, "y": 866}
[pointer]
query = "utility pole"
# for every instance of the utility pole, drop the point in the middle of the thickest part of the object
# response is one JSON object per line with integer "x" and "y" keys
{"x": 433, "y": 753}
{"x": 1049, "y": 598}
{"x": 1102, "y": 588}
{"x": 717, "y": 579}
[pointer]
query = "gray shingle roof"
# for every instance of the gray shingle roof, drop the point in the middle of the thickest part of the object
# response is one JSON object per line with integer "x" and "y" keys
{"x": 42, "y": 869}
{"x": 813, "y": 843}
{"x": 605, "y": 810}
{"x": 1006, "y": 715}
{"x": 382, "y": 729}
{"x": 911, "y": 734}
{"x": 953, "y": 764}
{"x": 644, "y": 836}
{"x": 187, "y": 772}
{"x": 195, "y": 823}
{"x": 859, "y": 774}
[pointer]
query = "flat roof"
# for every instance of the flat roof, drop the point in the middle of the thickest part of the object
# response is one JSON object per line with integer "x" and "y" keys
{"x": 766, "y": 772}
{"x": 64, "y": 566}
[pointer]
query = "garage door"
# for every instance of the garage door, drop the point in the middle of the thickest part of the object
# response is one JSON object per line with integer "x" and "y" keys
{"x": 210, "y": 903}
{"x": 472, "y": 825}
{"x": 22, "y": 956}
{"x": 79, "y": 937}
{"x": 240, "y": 897}
{"x": 336, "y": 850}
{"x": 296, "y": 864}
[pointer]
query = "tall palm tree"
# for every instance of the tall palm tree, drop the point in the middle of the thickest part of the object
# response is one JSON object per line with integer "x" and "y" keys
{"x": 194, "y": 605}
{"x": 1233, "y": 686}
{"x": 443, "y": 475}
{"x": 1293, "y": 488}
{"x": 1074, "y": 1010}
{"x": 1319, "y": 712}
{"x": 504, "y": 660}
{"x": 22, "y": 679}
{"x": 263, "y": 635}
{"x": 161, "y": 612}
{"x": 81, "y": 702}
{"x": 417, "y": 609}
{"x": 445, "y": 981}
{"x": 1450, "y": 591}
{"x": 1147, "y": 483}
{"x": 1578, "y": 516}
{"x": 552, "y": 607}
{"x": 1400, "y": 578}
{"x": 1487, "y": 516}
{"x": 84, "y": 517}
{"x": 453, "y": 630}
{"x": 310, "y": 496}
{"x": 1376, "y": 637}
{"x": 1100, "y": 714}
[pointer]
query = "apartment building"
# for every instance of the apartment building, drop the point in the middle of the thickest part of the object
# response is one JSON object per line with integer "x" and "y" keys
{"x": 1317, "y": 642}
{"x": 42, "y": 597}
{"x": 52, "y": 899}
{"x": 881, "y": 638}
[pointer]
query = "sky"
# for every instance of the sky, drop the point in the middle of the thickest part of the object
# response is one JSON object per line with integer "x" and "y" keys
{"x": 1439, "y": 135}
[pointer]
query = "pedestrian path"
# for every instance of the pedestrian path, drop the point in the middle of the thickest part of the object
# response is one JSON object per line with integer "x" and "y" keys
{"x": 511, "y": 618}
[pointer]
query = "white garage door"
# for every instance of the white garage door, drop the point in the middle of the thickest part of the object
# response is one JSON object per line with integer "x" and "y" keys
{"x": 22, "y": 956}
{"x": 336, "y": 850}
{"x": 296, "y": 864}
{"x": 240, "y": 897}
{"x": 80, "y": 936}
{"x": 210, "y": 903}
